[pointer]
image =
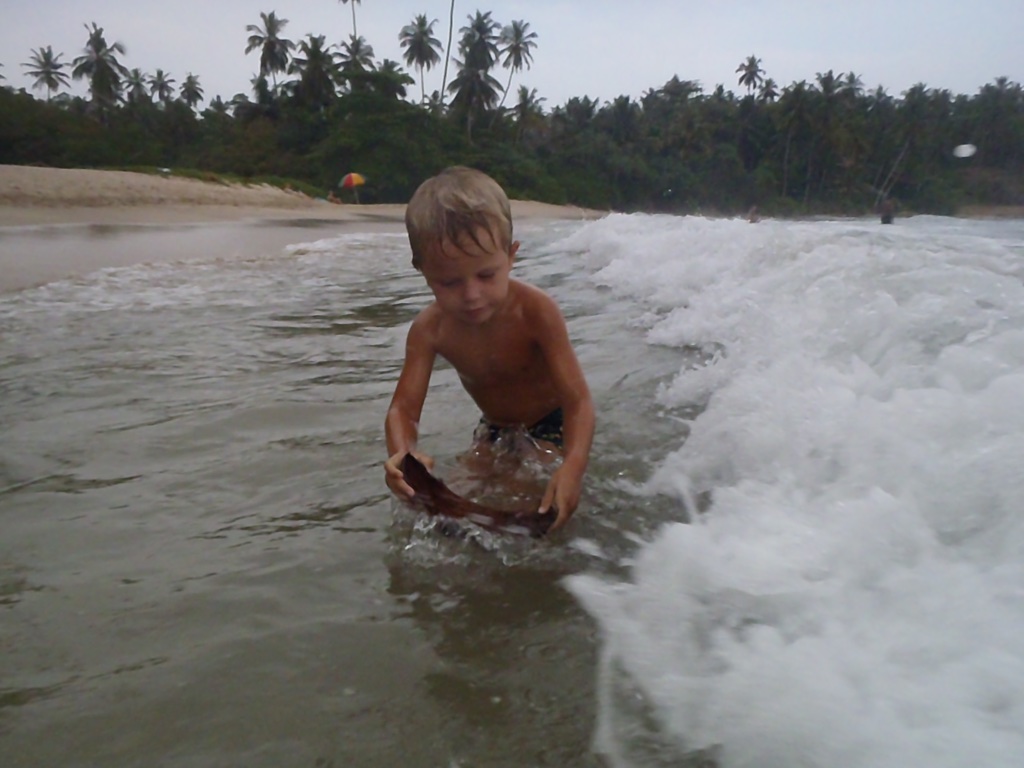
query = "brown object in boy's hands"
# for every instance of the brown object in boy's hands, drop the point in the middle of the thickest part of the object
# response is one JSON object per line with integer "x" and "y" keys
{"x": 438, "y": 499}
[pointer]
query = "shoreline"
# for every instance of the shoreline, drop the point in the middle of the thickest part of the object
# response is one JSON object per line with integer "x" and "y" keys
{"x": 33, "y": 196}
{"x": 59, "y": 223}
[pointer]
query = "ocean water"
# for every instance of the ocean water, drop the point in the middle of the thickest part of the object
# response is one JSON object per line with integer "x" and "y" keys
{"x": 800, "y": 541}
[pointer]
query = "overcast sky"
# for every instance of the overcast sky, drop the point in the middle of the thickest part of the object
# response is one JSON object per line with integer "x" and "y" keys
{"x": 596, "y": 48}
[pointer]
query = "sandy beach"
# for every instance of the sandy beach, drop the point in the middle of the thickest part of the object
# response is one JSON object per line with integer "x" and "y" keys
{"x": 50, "y": 199}
{"x": 48, "y": 196}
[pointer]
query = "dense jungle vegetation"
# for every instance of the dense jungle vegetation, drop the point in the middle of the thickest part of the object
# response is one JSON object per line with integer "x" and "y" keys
{"x": 318, "y": 110}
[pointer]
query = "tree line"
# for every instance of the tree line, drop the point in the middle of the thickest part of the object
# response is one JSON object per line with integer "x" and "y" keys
{"x": 318, "y": 110}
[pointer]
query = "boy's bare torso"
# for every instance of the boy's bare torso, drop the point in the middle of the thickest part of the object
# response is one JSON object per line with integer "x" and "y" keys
{"x": 501, "y": 363}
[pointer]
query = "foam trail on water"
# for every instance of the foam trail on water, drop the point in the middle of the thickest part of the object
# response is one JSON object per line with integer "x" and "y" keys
{"x": 853, "y": 594}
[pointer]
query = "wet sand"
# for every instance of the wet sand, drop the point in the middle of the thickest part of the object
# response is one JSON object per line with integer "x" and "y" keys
{"x": 57, "y": 223}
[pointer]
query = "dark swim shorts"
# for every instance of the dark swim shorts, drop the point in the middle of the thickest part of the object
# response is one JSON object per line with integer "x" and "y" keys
{"x": 549, "y": 428}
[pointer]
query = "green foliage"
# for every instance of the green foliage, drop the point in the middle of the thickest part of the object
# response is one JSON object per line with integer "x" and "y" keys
{"x": 820, "y": 145}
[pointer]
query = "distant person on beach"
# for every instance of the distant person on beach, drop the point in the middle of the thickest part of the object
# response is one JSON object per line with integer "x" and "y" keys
{"x": 887, "y": 210}
{"x": 507, "y": 340}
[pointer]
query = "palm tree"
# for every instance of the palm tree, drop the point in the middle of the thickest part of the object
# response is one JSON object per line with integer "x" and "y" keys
{"x": 355, "y": 32}
{"x": 997, "y": 115}
{"x": 317, "y": 70}
{"x": 448, "y": 50}
{"x": 161, "y": 85}
{"x": 853, "y": 84}
{"x": 479, "y": 43}
{"x": 390, "y": 80}
{"x": 474, "y": 88}
{"x": 769, "y": 91}
{"x": 475, "y": 91}
{"x": 274, "y": 49}
{"x": 100, "y": 65}
{"x": 528, "y": 111}
{"x": 517, "y": 43}
{"x": 795, "y": 119}
{"x": 356, "y": 54}
{"x": 191, "y": 91}
{"x": 47, "y": 68}
{"x": 245, "y": 109}
{"x": 217, "y": 108}
{"x": 356, "y": 59}
{"x": 136, "y": 85}
{"x": 575, "y": 116}
{"x": 828, "y": 124}
{"x": 421, "y": 47}
{"x": 751, "y": 73}
{"x": 622, "y": 119}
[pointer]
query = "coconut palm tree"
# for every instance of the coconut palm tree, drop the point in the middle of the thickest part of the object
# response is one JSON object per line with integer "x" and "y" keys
{"x": 769, "y": 91}
{"x": 475, "y": 91}
{"x": 191, "y": 92}
{"x": 47, "y": 69}
{"x": 621, "y": 119}
{"x": 274, "y": 49}
{"x": 100, "y": 66}
{"x": 390, "y": 80}
{"x": 317, "y": 69}
{"x": 356, "y": 60}
{"x": 853, "y": 84}
{"x": 355, "y": 32}
{"x": 161, "y": 85}
{"x": 517, "y": 43}
{"x": 751, "y": 73}
{"x": 577, "y": 114}
{"x": 136, "y": 87}
{"x": 474, "y": 88}
{"x": 422, "y": 49}
{"x": 795, "y": 120}
{"x": 528, "y": 111}
{"x": 479, "y": 43}
{"x": 217, "y": 108}
{"x": 356, "y": 54}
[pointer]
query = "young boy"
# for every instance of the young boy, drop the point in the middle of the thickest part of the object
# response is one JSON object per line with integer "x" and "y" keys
{"x": 506, "y": 340}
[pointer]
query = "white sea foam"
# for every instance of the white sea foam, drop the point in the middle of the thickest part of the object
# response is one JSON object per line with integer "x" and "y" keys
{"x": 853, "y": 595}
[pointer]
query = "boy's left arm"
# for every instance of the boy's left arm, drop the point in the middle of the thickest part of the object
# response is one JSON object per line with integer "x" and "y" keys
{"x": 563, "y": 491}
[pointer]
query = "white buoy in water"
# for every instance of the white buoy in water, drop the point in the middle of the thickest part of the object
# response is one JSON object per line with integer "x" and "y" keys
{"x": 964, "y": 150}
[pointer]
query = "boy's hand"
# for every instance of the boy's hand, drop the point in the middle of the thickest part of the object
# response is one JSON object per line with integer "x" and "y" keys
{"x": 396, "y": 480}
{"x": 563, "y": 493}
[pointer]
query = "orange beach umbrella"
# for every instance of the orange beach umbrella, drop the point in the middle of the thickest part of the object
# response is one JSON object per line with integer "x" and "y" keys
{"x": 352, "y": 180}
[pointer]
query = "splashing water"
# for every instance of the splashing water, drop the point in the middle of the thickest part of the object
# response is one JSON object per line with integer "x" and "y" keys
{"x": 852, "y": 591}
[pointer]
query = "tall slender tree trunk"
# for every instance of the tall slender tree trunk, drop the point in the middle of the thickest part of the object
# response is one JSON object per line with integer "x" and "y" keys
{"x": 785, "y": 163}
{"x": 448, "y": 50}
{"x": 810, "y": 172}
{"x": 890, "y": 180}
{"x": 511, "y": 72}
{"x": 497, "y": 112}
{"x": 355, "y": 32}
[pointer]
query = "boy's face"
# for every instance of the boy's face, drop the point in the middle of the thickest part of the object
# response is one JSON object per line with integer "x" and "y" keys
{"x": 469, "y": 279}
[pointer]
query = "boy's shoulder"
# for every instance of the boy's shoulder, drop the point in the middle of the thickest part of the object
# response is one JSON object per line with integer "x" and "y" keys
{"x": 529, "y": 294}
{"x": 428, "y": 318}
{"x": 535, "y": 301}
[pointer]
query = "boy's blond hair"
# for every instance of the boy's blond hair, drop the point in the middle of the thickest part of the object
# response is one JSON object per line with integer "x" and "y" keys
{"x": 457, "y": 203}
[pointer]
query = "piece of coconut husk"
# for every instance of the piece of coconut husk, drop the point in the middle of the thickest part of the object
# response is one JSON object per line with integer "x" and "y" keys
{"x": 436, "y": 498}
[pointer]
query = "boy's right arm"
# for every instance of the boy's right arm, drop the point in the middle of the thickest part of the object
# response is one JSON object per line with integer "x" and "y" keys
{"x": 401, "y": 427}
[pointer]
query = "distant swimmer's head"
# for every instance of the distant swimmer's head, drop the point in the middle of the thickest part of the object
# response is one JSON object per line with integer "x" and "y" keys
{"x": 458, "y": 206}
